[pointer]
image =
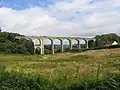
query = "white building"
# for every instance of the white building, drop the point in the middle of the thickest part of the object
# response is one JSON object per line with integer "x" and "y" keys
{"x": 115, "y": 43}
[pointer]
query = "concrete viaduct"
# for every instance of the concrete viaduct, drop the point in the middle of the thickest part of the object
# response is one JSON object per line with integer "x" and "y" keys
{"x": 61, "y": 39}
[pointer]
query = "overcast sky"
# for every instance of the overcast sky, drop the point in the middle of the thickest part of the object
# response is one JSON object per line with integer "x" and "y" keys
{"x": 84, "y": 18}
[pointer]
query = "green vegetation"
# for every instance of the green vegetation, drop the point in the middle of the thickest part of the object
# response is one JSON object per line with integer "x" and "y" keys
{"x": 9, "y": 44}
{"x": 90, "y": 70}
{"x": 21, "y": 81}
{"x": 106, "y": 39}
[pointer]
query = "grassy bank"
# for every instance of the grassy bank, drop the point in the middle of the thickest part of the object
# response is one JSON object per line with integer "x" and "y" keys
{"x": 90, "y": 70}
{"x": 21, "y": 81}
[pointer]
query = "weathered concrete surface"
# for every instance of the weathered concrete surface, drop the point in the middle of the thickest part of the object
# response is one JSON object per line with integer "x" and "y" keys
{"x": 42, "y": 38}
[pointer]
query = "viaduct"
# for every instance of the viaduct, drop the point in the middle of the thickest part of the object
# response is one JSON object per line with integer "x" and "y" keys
{"x": 61, "y": 39}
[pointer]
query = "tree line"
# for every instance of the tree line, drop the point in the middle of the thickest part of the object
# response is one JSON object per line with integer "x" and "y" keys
{"x": 104, "y": 40}
{"x": 9, "y": 44}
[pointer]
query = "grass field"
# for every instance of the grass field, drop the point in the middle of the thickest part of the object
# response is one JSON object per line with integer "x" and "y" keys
{"x": 89, "y": 64}
{"x": 67, "y": 63}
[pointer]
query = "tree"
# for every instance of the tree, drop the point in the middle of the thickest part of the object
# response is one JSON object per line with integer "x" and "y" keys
{"x": 29, "y": 46}
{"x": 8, "y": 43}
{"x": 2, "y": 47}
{"x": 91, "y": 43}
{"x": 106, "y": 39}
{"x": 0, "y": 29}
{"x": 11, "y": 47}
{"x": 21, "y": 49}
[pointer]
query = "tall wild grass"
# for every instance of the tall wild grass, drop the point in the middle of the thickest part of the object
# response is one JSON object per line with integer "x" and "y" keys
{"x": 12, "y": 80}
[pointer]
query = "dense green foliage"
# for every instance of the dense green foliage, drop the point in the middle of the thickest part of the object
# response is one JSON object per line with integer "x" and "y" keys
{"x": 106, "y": 39}
{"x": 9, "y": 44}
{"x": 94, "y": 70}
{"x": 21, "y": 81}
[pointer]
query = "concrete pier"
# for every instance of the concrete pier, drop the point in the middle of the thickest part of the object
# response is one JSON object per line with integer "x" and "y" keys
{"x": 42, "y": 38}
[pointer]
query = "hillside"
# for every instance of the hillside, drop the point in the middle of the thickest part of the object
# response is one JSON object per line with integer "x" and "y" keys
{"x": 48, "y": 64}
{"x": 95, "y": 69}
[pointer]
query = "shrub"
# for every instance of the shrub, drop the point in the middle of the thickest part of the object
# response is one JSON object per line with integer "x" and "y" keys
{"x": 21, "y": 81}
{"x": 47, "y": 51}
{"x": 21, "y": 49}
{"x": 2, "y": 47}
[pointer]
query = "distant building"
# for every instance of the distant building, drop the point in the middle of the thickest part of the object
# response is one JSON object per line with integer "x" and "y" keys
{"x": 115, "y": 43}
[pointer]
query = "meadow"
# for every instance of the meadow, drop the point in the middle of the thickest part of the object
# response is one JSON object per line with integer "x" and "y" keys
{"x": 89, "y": 70}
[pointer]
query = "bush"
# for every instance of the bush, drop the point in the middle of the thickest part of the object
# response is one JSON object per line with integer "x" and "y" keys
{"x": 22, "y": 81}
{"x": 21, "y": 49}
{"x": 11, "y": 47}
{"x": 29, "y": 45}
{"x": 47, "y": 51}
{"x": 2, "y": 47}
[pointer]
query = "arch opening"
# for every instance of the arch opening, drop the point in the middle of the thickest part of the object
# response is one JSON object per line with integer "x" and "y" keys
{"x": 83, "y": 43}
{"x": 91, "y": 43}
{"x": 75, "y": 43}
{"x": 67, "y": 44}
{"x": 58, "y": 45}
{"x": 48, "y": 46}
{"x": 37, "y": 44}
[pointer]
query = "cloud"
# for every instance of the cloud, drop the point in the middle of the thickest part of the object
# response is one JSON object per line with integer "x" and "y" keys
{"x": 64, "y": 18}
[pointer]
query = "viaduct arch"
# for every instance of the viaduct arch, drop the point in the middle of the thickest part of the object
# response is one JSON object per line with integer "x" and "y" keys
{"x": 61, "y": 39}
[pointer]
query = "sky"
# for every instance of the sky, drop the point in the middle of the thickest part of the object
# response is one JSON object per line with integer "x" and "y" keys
{"x": 83, "y": 18}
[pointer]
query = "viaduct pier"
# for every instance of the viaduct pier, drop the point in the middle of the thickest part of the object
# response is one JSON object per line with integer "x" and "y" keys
{"x": 61, "y": 39}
